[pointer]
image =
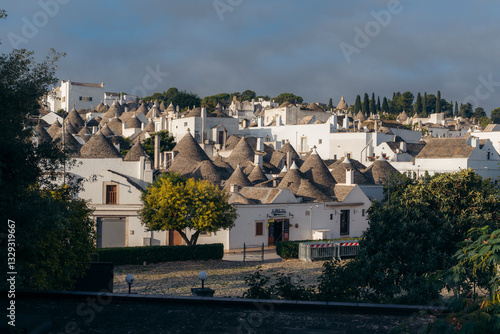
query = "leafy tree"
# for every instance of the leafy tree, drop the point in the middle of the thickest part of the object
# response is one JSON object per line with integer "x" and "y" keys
{"x": 357, "y": 105}
{"x": 248, "y": 95}
{"x": 185, "y": 100}
{"x": 466, "y": 110}
{"x": 211, "y": 101}
{"x": 53, "y": 230}
{"x": 431, "y": 104}
{"x": 417, "y": 233}
{"x": 287, "y": 97}
{"x": 173, "y": 202}
{"x": 263, "y": 97}
{"x": 479, "y": 113}
{"x": 495, "y": 116}
{"x": 366, "y": 106}
{"x": 407, "y": 102}
{"x": 438, "y": 102}
{"x": 330, "y": 105}
{"x": 166, "y": 143}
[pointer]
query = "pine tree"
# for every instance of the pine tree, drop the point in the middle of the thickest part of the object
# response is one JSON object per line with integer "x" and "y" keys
{"x": 438, "y": 102}
{"x": 418, "y": 105}
{"x": 366, "y": 105}
{"x": 357, "y": 104}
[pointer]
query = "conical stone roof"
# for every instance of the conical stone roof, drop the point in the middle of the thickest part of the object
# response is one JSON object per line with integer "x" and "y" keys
{"x": 71, "y": 129}
{"x": 115, "y": 125}
{"x": 339, "y": 172}
{"x": 99, "y": 147}
{"x": 134, "y": 123}
{"x": 292, "y": 179}
{"x": 189, "y": 149}
{"x": 316, "y": 171}
{"x": 106, "y": 131}
{"x": 239, "y": 178}
{"x": 142, "y": 109}
{"x": 136, "y": 152}
{"x": 75, "y": 119}
{"x": 206, "y": 170}
{"x": 54, "y": 129}
{"x": 85, "y": 134}
{"x": 257, "y": 175}
{"x": 310, "y": 192}
{"x": 70, "y": 143}
{"x": 42, "y": 134}
{"x": 380, "y": 171}
{"x": 242, "y": 153}
{"x": 342, "y": 104}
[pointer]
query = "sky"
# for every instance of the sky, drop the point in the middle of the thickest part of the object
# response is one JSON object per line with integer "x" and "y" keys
{"x": 316, "y": 49}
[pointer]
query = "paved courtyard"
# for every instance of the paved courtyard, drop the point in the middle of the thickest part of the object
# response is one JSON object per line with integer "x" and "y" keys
{"x": 225, "y": 276}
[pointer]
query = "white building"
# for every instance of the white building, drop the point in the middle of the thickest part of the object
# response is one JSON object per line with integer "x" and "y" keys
{"x": 75, "y": 94}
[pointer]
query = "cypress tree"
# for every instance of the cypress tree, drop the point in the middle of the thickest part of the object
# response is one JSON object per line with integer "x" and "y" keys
{"x": 378, "y": 104}
{"x": 424, "y": 105}
{"x": 438, "y": 102}
{"x": 372, "y": 105}
{"x": 366, "y": 105}
{"x": 385, "y": 105}
{"x": 457, "y": 112}
{"x": 357, "y": 104}
{"x": 330, "y": 105}
{"x": 418, "y": 105}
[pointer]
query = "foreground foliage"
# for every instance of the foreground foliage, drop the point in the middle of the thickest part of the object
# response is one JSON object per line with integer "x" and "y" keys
{"x": 52, "y": 230}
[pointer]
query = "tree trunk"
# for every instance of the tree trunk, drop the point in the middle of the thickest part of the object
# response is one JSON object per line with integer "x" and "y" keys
{"x": 189, "y": 242}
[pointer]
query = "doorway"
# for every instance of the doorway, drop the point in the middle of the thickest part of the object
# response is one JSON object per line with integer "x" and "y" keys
{"x": 278, "y": 230}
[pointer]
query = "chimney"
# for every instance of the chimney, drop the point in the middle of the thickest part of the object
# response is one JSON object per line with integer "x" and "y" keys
{"x": 474, "y": 142}
{"x": 288, "y": 159}
{"x": 260, "y": 122}
{"x": 402, "y": 146}
{"x": 157, "y": 151}
{"x": 349, "y": 176}
{"x": 260, "y": 144}
{"x": 258, "y": 160}
{"x": 234, "y": 188}
{"x": 345, "y": 123}
{"x": 279, "y": 122}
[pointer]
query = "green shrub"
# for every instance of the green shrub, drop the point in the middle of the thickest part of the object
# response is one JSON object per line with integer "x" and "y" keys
{"x": 154, "y": 254}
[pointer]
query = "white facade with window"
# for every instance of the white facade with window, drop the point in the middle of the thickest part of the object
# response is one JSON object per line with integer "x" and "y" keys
{"x": 75, "y": 94}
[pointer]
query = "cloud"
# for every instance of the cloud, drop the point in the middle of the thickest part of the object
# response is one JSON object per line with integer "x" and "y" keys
{"x": 272, "y": 46}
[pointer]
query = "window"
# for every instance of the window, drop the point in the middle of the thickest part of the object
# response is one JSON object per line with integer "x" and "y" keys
{"x": 344, "y": 222}
{"x": 363, "y": 212}
{"x": 111, "y": 194}
{"x": 64, "y": 98}
{"x": 303, "y": 144}
{"x": 185, "y": 124}
{"x": 90, "y": 98}
{"x": 259, "y": 228}
{"x": 308, "y": 213}
{"x": 320, "y": 141}
{"x": 488, "y": 155}
{"x": 348, "y": 155}
{"x": 331, "y": 216}
{"x": 80, "y": 98}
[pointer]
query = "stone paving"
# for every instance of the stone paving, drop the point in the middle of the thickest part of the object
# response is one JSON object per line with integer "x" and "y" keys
{"x": 225, "y": 277}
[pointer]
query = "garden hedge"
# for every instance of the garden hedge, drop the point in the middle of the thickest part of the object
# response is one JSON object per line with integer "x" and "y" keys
{"x": 154, "y": 254}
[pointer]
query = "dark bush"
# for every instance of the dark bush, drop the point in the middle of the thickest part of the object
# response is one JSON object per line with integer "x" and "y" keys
{"x": 288, "y": 249}
{"x": 154, "y": 254}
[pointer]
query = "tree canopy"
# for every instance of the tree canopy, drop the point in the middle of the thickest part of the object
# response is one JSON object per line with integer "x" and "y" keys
{"x": 417, "y": 234}
{"x": 166, "y": 143}
{"x": 54, "y": 236}
{"x": 183, "y": 99}
{"x": 287, "y": 97}
{"x": 176, "y": 203}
